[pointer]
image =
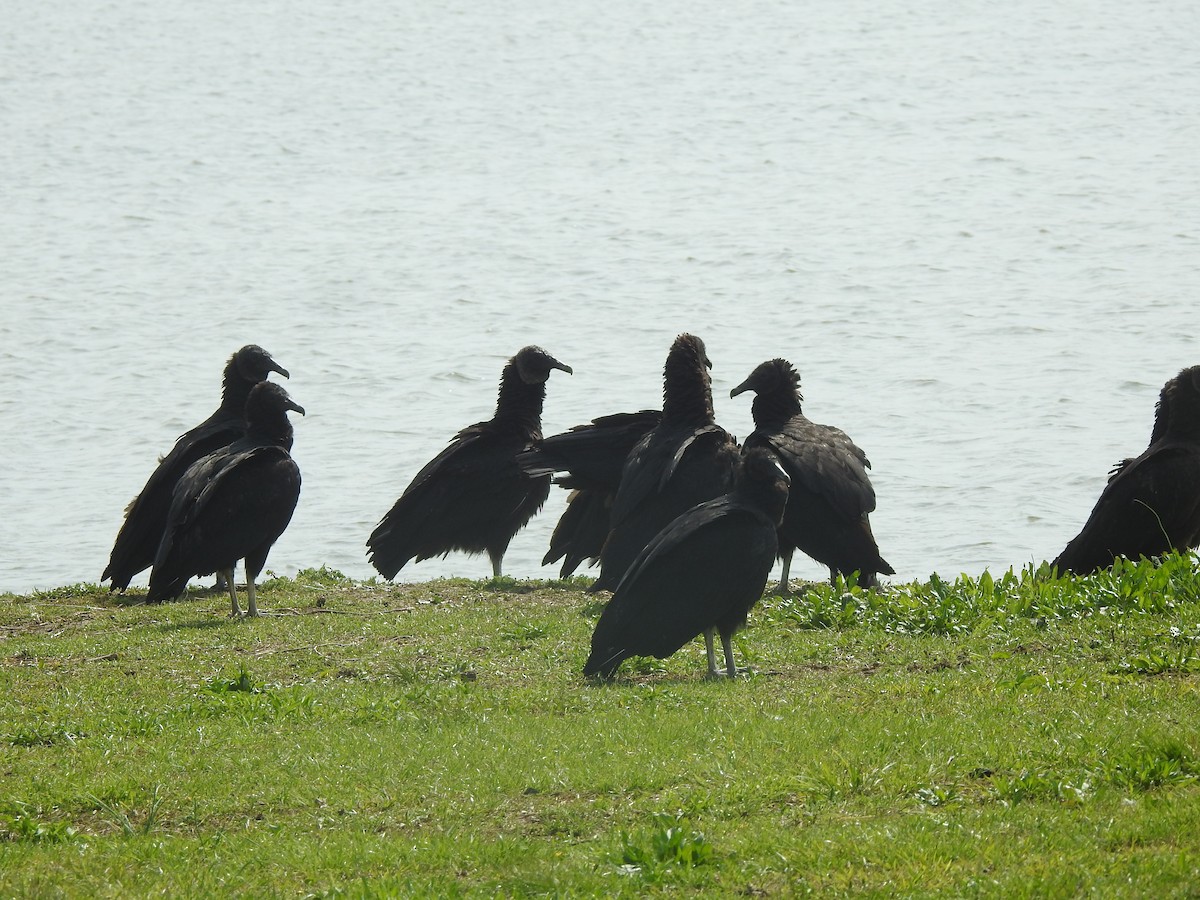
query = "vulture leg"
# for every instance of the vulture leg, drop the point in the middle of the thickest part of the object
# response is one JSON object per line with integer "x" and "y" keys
{"x": 713, "y": 671}
{"x": 251, "y": 607}
{"x": 727, "y": 646}
{"x": 786, "y": 556}
{"x": 228, "y": 575}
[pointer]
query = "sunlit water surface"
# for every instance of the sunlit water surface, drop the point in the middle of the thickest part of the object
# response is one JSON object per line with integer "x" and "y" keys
{"x": 973, "y": 227}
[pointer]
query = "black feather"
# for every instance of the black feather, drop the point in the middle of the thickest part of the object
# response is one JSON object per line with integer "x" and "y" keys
{"x": 684, "y": 460}
{"x": 831, "y": 496}
{"x": 146, "y": 515}
{"x": 592, "y": 456}
{"x": 473, "y": 496}
{"x": 232, "y": 504}
{"x": 703, "y": 572}
{"x": 1151, "y": 504}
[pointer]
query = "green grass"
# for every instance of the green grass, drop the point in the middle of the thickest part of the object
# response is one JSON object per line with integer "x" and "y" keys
{"x": 1022, "y": 735}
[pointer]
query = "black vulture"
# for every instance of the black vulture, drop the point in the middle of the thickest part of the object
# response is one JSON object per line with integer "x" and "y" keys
{"x": 1151, "y": 504}
{"x": 232, "y": 504}
{"x": 831, "y": 496}
{"x": 1162, "y": 410}
{"x": 592, "y": 456}
{"x": 146, "y": 515}
{"x": 684, "y": 460}
{"x": 700, "y": 574}
{"x": 473, "y": 496}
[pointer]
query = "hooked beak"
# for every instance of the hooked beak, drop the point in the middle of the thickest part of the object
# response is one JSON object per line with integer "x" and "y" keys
{"x": 562, "y": 367}
{"x": 276, "y": 367}
{"x": 741, "y": 388}
{"x": 293, "y": 405}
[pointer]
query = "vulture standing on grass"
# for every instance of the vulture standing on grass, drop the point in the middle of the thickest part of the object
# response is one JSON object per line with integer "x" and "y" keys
{"x": 699, "y": 575}
{"x": 232, "y": 504}
{"x": 592, "y": 456}
{"x": 473, "y": 496}
{"x": 830, "y": 495}
{"x": 684, "y": 460}
{"x": 146, "y": 515}
{"x": 1151, "y": 504}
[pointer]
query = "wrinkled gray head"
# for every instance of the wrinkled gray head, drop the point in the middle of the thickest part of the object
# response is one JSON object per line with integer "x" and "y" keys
{"x": 268, "y": 397}
{"x": 534, "y": 365}
{"x": 253, "y": 363}
{"x": 760, "y": 464}
{"x": 771, "y": 377}
{"x": 762, "y": 478}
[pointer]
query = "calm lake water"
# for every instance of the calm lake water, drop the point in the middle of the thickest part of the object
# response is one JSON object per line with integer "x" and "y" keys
{"x": 973, "y": 227}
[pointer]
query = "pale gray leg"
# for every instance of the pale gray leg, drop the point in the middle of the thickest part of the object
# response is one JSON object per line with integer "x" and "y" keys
{"x": 786, "y": 556}
{"x": 227, "y": 574}
{"x": 252, "y": 608}
{"x": 496, "y": 560}
{"x": 713, "y": 671}
{"x": 727, "y": 646}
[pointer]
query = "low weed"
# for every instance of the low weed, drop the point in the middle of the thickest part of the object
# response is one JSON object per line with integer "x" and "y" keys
{"x": 23, "y": 823}
{"x": 1149, "y": 764}
{"x": 839, "y": 779}
{"x": 938, "y": 795}
{"x": 939, "y": 607}
{"x": 45, "y": 736}
{"x": 1028, "y": 786}
{"x": 71, "y": 591}
{"x": 243, "y": 683}
{"x": 669, "y": 842}
{"x": 324, "y": 577}
{"x": 1167, "y": 661}
{"x": 121, "y": 818}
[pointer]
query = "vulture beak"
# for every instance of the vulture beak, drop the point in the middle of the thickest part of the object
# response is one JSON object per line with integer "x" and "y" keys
{"x": 741, "y": 388}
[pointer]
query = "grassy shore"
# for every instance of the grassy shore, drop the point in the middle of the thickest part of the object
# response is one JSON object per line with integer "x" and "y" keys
{"x": 1010, "y": 736}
